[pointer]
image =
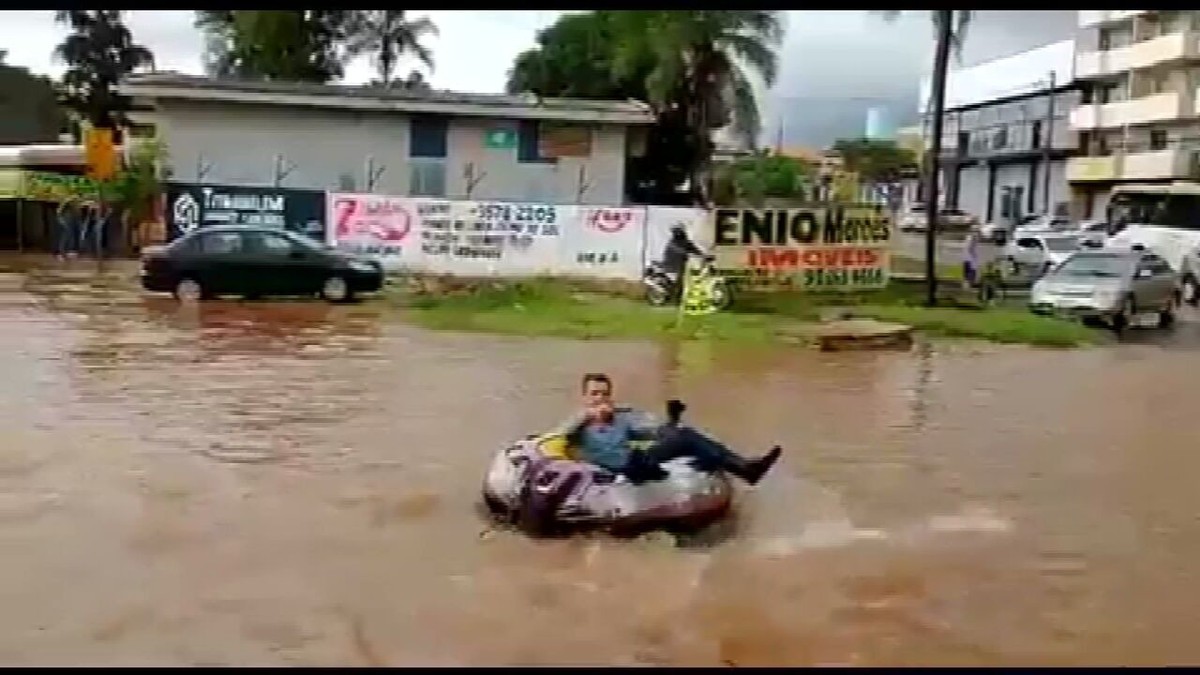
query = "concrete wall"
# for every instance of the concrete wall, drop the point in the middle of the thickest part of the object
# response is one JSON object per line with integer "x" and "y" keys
{"x": 1023, "y": 73}
{"x": 973, "y": 188}
{"x": 329, "y": 150}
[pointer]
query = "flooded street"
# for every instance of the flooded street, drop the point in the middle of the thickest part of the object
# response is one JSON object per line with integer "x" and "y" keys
{"x": 296, "y": 484}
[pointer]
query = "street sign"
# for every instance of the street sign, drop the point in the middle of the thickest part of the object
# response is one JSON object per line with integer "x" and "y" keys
{"x": 101, "y": 154}
{"x": 500, "y": 139}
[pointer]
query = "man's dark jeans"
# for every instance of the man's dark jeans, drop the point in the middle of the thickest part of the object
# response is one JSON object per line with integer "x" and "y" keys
{"x": 674, "y": 442}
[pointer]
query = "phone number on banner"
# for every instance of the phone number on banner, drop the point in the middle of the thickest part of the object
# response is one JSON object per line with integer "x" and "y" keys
{"x": 535, "y": 213}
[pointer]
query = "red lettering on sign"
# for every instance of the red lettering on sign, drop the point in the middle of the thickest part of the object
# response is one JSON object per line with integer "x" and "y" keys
{"x": 774, "y": 257}
{"x": 610, "y": 220}
{"x": 841, "y": 257}
{"x": 345, "y": 209}
{"x": 382, "y": 219}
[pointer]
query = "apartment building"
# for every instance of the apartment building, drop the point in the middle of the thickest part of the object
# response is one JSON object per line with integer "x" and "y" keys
{"x": 1006, "y": 134}
{"x": 1139, "y": 116}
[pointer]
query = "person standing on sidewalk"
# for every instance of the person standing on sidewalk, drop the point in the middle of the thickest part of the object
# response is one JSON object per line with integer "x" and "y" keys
{"x": 67, "y": 237}
{"x": 970, "y": 264}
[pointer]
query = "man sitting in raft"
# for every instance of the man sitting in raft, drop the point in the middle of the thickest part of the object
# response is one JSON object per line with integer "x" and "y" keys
{"x": 602, "y": 435}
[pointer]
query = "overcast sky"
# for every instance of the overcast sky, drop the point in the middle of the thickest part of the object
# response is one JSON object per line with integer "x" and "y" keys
{"x": 851, "y": 58}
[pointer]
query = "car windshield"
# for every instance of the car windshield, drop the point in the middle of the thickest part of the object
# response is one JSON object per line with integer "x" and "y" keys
{"x": 1093, "y": 265}
{"x": 305, "y": 240}
{"x": 1061, "y": 244}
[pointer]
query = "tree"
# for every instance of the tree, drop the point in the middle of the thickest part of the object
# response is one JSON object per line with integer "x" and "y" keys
{"x": 29, "y": 110}
{"x": 693, "y": 68}
{"x": 287, "y": 45}
{"x": 575, "y": 58}
{"x": 875, "y": 161}
{"x": 703, "y": 64}
{"x": 415, "y": 81}
{"x": 767, "y": 176}
{"x": 387, "y": 35}
{"x": 950, "y": 28}
{"x": 99, "y": 52}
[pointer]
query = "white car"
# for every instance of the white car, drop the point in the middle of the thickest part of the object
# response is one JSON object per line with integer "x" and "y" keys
{"x": 1093, "y": 233}
{"x": 1043, "y": 225}
{"x": 948, "y": 220}
{"x": 1040, "y": 252}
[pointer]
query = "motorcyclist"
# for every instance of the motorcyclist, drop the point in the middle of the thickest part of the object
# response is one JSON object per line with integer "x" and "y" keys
{"x": 675, "y": 254}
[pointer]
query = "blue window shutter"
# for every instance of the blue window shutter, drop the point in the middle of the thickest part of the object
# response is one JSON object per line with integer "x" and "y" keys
{"x": 527, "y": 141}
{"x": 427, "y": 136}
{"x": 528, "y": 132}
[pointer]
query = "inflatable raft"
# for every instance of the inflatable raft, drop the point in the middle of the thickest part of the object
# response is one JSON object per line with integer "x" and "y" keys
{"x": 534, "y": 484}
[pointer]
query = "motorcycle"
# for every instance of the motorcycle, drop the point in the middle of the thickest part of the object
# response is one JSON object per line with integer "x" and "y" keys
{"x": 662, "y": 289}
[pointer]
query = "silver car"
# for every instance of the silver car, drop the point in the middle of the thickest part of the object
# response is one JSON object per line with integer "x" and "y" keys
{"x": 1109, "y": 285}
{"x": 1039, "y": 252}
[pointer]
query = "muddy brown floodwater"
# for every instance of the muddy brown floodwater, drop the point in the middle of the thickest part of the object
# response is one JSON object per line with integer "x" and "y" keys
{"x": 294, "y": 483}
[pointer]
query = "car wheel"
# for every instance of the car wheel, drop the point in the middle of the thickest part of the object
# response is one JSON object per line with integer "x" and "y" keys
{"x": 188, "y": 290}
{"x": 1190, "y": 289}
{"x": 1125, "y": 317}
{"x": 336, "y": 289}
{"x": 1166, "y": 317}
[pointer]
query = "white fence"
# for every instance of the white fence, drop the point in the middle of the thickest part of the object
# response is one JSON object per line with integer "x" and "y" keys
{"x": 474, "y": 238}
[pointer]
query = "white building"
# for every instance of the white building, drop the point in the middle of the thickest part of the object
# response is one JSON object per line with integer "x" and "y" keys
{"x": 1005, "y": 134}
{"x": 1139, "y": 118}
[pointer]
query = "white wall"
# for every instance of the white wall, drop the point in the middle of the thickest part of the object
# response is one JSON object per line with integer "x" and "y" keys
{"x": 239, "y": 142}
{"x": 1022, "y": 73}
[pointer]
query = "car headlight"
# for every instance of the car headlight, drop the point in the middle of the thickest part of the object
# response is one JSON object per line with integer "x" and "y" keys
{"x": 1107, "y": 298}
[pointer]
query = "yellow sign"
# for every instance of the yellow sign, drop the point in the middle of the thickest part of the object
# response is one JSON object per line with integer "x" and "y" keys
{"x": 814, "y": 247}
{"x": 101, "y": 154}
{"x": 697, "y": 297}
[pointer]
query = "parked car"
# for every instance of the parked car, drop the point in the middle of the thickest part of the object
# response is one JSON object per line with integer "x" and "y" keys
{"x": 948, "y": 220}
{"x": 254, "y": 262}
{"x": 1039, "y": 252}
{"x": 1042, "y": 223}
{"x": 1093, "y": 233}
{"x": 1109, "y": 285}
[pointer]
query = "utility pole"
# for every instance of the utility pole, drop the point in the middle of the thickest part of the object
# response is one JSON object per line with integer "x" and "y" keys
{"x": 1047, "y": 144}
{"x": 941, "y": 63}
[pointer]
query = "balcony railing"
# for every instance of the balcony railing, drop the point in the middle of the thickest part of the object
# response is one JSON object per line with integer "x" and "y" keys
{"x": 1143, "y": 110}
{"x": 1139, "y": 163}
{"x": 1162, "y": 49}
{"x": 1095, "y": 17}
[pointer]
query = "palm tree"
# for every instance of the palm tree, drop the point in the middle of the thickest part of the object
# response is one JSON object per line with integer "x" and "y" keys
{"x": 950, "y": 29}
{"x": 99, "y": 51}
{"x": 388, "y": 35}
{"x": 703, "y": 65}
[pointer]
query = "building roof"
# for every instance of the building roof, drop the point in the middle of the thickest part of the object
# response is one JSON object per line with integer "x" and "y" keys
{"x": 43, "y": 154}
{"x": 166, "y": 85}
{"x": 1027, "y": 73}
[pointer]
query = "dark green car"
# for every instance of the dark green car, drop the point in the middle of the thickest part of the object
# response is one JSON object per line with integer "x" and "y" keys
{"x": 255, "y": 262}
